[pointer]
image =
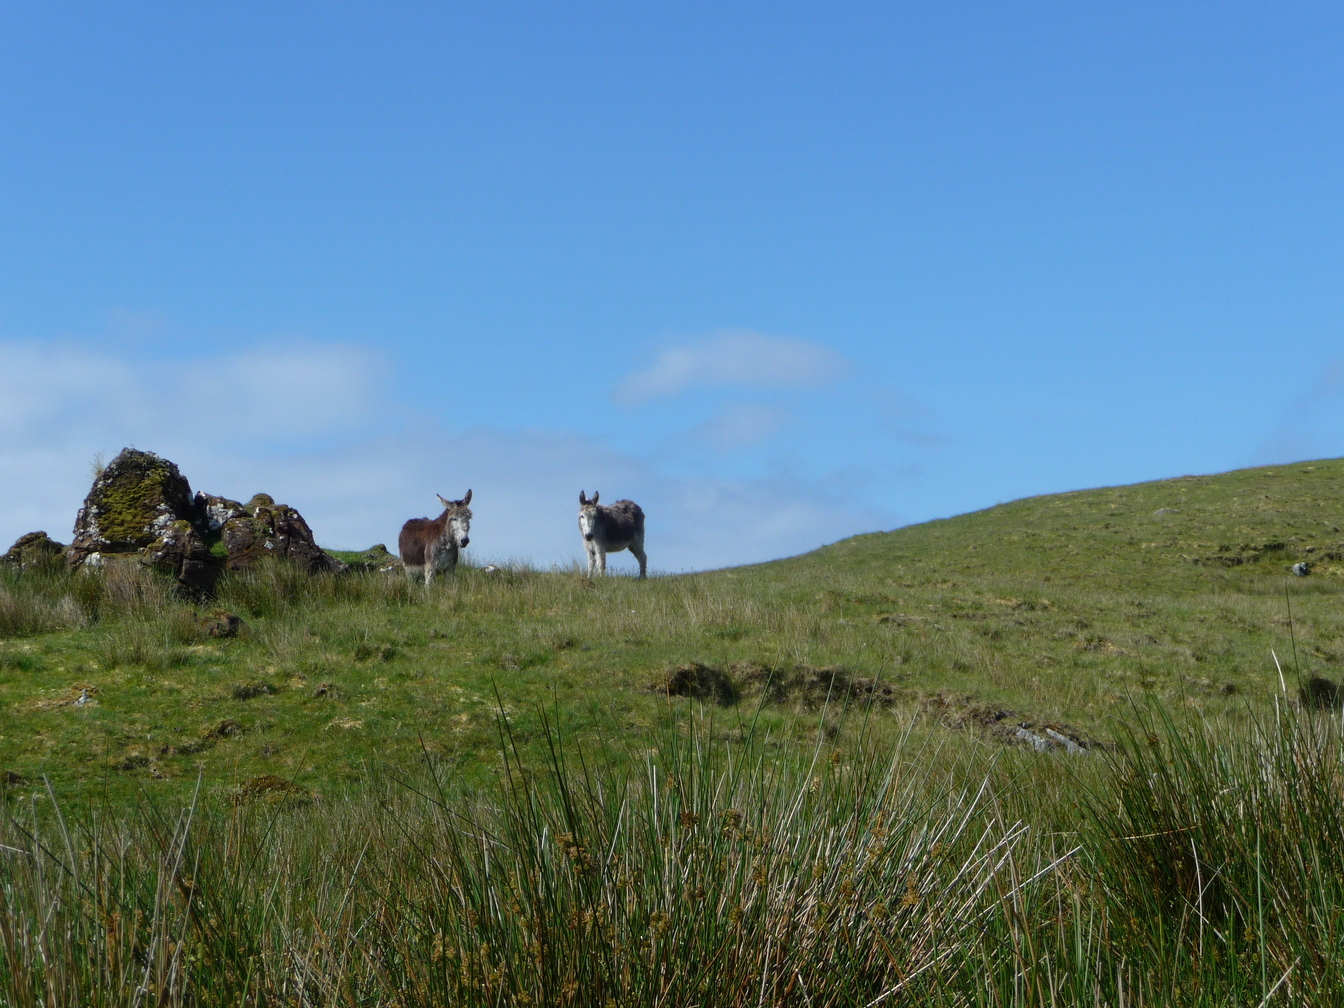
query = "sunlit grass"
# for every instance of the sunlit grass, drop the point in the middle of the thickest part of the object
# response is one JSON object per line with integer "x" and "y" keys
{"x": 1191, "y": 868}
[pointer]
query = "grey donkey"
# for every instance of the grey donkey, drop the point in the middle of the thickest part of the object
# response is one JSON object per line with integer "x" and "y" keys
{"x": 610, "y": 528}
{"x": 430, "y": 546}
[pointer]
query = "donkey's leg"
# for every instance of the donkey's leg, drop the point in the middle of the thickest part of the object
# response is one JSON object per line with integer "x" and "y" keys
{"x": 637, "y": 548}
{"x": 432, "y": 563}
{"x": 602, "y": 561}
{"x": 591, "y": 550}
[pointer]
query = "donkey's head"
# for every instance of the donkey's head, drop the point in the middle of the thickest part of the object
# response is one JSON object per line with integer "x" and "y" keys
{"x": 588, "y": 515}
{"x": 458, "y": 524}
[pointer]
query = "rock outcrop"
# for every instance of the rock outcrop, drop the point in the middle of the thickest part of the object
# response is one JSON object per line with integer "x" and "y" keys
{"x": 265, "y": 528}
{"x": 377, "y": 558}
{"x": 183, "y": 553}
{"x": 141, "y": 508}
{"x": 132, "y": 503}
{"x": 36, "y": 549}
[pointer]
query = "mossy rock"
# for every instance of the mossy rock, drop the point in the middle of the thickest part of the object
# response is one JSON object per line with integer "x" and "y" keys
{"x": 131, "y": 504}
{"x": 375, "y": 558}
{"x": 34, "y": 550}
{"x": 141, "y": 504}
{"x": 270, "y": 530}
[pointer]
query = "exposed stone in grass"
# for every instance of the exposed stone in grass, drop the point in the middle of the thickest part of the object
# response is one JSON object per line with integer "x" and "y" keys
{"x": 250, "y": 690}
{"x": 216, "y": 512}
{"x": 377, "y": 559}
{"x": 228, "y": 728}
{"x": 222, "y": 623}
{"x": 273, "y": 790}
{"x": 964, "y": 712}
{"x": 142, "y": 504}
{"x": 81, "y": 695}
{"x": 698, "y": 681}
{"x": 33, "y": 550}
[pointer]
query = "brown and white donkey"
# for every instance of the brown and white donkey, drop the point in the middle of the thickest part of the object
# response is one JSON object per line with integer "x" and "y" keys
{"x": 430, "y": 546}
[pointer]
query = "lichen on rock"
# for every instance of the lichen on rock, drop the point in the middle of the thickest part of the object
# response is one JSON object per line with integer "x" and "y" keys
{"x": 182, "y": 553}
{"x": 216, "y": 511}
{"x": 267, "y": 529}
{"x": 141, "y": 509}
{"x": 131, "y": 504}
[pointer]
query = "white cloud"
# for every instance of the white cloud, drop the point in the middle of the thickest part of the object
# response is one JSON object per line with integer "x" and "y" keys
{"x": 733, "y": 357}
{"x": 741, "y": 425}
{"x": 525, "y": 498}
{"x": 309, "y": 425}
{"x": 294, "y": 391}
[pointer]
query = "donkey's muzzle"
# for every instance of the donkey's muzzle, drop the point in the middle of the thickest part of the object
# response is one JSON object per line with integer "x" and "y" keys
{"x": 588, "y": 537}
{"x": 464, "y": 542}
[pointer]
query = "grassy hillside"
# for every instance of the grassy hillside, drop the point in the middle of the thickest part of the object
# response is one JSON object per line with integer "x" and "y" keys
{"x": 794, "y": 783}
{"x": 1056, "y": 610}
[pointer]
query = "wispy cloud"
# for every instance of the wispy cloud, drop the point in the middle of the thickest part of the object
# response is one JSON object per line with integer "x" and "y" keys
{"x": 309, "y": 424}
{"x": 1310, "y": 425}
{"x": 740, "y": 425}
{"x": 733, "y": 357}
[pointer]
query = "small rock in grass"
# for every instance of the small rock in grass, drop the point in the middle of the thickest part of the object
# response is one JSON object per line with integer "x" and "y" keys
{"x": 248, "y": 690}
{"x": 228, "y": 728}
{"x": 221, "y": 623}
{"x": 272, "y": 789}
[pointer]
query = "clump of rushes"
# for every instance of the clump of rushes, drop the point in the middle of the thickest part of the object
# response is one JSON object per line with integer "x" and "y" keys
{"x": 1223, "y": 855}
{"x": 711, "y": 868}
{"x": 703, "y": 867}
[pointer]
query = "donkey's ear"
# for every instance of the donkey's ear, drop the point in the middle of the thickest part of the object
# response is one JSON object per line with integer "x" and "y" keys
{"x": 583, "y": 499}
{"x": 445, "y": 503}
{"x": 466, "y": 500}
{"x": 594, "y": 500}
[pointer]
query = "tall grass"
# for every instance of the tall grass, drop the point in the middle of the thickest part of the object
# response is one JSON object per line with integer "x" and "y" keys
{"x": 41, "y": 601}
{"x": 1180, "y": 869}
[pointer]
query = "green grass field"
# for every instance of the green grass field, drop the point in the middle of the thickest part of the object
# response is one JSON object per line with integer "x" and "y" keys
{"x": 484, "y": 793}
{"x": 1058, "y": 609}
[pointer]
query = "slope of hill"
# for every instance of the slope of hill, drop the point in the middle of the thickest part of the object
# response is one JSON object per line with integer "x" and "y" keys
{"x": 1150, "y": 535}
{"x": 1055, "y": 611}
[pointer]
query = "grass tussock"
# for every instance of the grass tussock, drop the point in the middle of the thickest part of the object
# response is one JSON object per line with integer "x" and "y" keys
{"x": 1180, "y": 869}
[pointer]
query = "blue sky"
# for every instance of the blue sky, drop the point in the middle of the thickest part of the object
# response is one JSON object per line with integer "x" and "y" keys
{"x": 782, "y": 273}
